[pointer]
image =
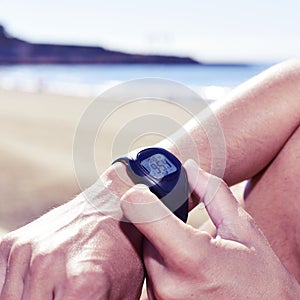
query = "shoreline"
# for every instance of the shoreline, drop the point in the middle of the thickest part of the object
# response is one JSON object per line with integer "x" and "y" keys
{"x": 208, "y": 93}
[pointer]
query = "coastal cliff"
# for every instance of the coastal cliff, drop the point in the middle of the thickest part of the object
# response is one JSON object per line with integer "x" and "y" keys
{"x": 17, "y": 51}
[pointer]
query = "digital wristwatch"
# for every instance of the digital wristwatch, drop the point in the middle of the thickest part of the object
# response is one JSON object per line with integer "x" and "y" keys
{"x": 164, "y": 174}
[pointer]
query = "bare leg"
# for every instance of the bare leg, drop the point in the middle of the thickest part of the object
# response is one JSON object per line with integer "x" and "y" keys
{"x": 273, "y": 200}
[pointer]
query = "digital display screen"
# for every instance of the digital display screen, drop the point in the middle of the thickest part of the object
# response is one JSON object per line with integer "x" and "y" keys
{"x": 158, "y": 166}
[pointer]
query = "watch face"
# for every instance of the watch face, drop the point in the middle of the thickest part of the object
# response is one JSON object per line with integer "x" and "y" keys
{"x": 158, "y": 166}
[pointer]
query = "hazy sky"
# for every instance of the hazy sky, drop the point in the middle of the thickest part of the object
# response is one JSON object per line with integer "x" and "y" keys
{"x": 231, "y": 30}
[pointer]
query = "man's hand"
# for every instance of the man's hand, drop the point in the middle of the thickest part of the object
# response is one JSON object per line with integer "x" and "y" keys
{"x": 73, "y": 252}
{"x": 184, "y": 263}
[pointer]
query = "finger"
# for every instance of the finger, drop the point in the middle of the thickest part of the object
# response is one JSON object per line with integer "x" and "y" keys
{"x": 153, "y": 261}
{"x": 150, "y": 292}
{"x": 17, "y": 267}
{"x": 5, "y": 247}
{"x": 36, "y": 289}
{"x": 224, "y": 210}
{"x": 167, "y": 233}
{"x": 155, "y": 267}
{"x": 86, "y": 292}
{"x": 84, "y": 282}
{"x": 2, "y": 270}
{"x": 217, "y": 198}
{"x": 44, "y": 275}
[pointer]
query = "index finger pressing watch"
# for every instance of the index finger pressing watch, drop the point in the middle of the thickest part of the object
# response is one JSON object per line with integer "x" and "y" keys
{"x": 164, "y": 174}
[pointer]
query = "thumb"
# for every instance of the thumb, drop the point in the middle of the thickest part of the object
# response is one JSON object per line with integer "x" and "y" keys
{"x": 167, "y": 233}
{"x": 231, "y": 220}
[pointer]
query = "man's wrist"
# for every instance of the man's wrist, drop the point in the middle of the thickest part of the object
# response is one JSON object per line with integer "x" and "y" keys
{"x": 116, "y": 179}
{"x": 104, "y": 195}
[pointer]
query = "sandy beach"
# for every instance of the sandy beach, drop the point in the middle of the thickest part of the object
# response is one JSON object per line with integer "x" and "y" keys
{"x": 37, "y": 133}
{"x": 36, "y": 154}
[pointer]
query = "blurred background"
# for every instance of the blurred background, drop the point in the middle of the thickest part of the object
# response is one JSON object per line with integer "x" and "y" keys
{"x": 56, "y": 56}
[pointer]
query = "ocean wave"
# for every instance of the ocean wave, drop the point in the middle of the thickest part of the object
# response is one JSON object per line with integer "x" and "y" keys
{"x": 210, "y": 83}
{"x": 208, "y": 93}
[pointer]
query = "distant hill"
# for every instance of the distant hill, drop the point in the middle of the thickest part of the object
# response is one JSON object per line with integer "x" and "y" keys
{"x": 16, "y": 51}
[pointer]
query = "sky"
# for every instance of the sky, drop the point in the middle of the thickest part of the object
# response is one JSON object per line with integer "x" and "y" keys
{"x": 210, "y": 31}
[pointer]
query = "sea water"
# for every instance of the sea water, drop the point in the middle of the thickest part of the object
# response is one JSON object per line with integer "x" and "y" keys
{"x": 210, "y": 81}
